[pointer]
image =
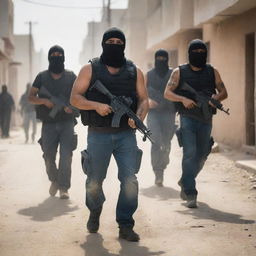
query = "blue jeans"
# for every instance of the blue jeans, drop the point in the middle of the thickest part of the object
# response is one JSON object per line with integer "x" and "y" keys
{"x": 196, "y": 140}
{"x": 162, "y": 125}
{"x": 53, "y": 135}
{"x": 100, "y": 147}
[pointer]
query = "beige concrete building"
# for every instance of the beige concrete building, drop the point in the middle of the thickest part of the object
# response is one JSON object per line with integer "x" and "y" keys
{"x": 8, "y": 68}
{"x": 21, "y": 55}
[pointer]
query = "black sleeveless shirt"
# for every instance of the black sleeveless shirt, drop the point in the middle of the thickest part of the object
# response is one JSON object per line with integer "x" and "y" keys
{"x": 203, "y": 81}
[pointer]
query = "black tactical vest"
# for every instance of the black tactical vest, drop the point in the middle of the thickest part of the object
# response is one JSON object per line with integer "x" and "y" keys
{"x": 156, "y": 87}
{"x": 60, "y": 88}
{"x": 121, "y": 84}
{"x": 202, "y": 81}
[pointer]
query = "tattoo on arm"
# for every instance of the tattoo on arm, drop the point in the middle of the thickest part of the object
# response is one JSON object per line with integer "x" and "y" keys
{"x": 174, "y": 80}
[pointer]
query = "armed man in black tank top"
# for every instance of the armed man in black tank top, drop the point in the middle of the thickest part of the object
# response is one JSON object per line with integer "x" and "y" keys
{"x": 122, "y": 78}
{"x": 186, "y": 85}
{"x": 161, "y": 116}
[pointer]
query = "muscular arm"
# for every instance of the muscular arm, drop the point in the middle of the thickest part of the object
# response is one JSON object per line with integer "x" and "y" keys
{"x": 152, "y": 103}
{"x": 222, "y": 92}
{"x": 172, "y": 84}
{"x": 80, "y": 87}
{"x": 142, "y": 95}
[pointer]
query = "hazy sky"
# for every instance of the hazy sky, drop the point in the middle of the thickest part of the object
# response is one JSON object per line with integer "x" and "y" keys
{"x": 64, "y": 26}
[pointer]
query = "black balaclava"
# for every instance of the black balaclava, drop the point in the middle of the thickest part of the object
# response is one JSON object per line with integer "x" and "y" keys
{"x": 4, "y": 88}
{"x": 56, "y": 63}
{"x": 113, "y": 54}
{"x": 161, "y": 66}
{"x": 197, "y": 59}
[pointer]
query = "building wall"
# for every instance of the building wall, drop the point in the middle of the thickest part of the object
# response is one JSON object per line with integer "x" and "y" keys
{"x": 6, "y": 43}
{"x": 227, "y": 40}
{"x": 171, "y": 17}
{"x": 136, "y": 32}
{"x": 21, "y": 55}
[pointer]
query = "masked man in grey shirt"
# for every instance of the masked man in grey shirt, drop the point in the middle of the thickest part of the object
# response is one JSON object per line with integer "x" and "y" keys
{"x": 51, "y": 90}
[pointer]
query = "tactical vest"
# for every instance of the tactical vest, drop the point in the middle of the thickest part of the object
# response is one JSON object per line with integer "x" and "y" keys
{"x": 122, "y": 83}
{"x": 156, "y": 87}
{"x": 203, "y": 81}
{"x": 62, "y": 88}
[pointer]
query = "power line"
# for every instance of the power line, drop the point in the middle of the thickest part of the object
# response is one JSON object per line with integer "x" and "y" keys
{"x": 61, "y": 6}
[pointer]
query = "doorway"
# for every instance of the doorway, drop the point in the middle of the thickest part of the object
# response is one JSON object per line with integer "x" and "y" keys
{"x": 250, "y": 99}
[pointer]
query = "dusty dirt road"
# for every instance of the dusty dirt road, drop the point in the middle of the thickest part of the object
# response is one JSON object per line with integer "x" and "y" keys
{"x": 33, "y": 223}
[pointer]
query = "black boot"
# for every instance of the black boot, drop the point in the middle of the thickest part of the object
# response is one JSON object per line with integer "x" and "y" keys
{"x": 93, "y": 222}
{"x": 128, "y": 234}
{"x": 183, "y": 196}
{"x": 191, "y": 201}
{"x": 159, "y": 177}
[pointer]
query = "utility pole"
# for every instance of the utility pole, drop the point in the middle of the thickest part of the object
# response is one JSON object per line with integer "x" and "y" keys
{"x": 109, "y": 13}
{"x": 30, "y": 50}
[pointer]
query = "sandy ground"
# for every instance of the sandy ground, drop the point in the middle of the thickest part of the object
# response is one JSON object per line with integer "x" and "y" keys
{"x": 33, "y": 223}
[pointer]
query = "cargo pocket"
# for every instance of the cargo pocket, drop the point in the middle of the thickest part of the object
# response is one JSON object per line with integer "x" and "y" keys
{"x": 74, "y": 142}
{"x": 138, "y": 160}
{"x": 85, "y": 161}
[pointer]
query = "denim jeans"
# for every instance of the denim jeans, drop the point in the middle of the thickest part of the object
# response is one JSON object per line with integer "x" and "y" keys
{"x": 162, "y": 125}
{"x": 196, "y": 140}
{"x": 53, "y": 135}
{"x": 100, "y": 147}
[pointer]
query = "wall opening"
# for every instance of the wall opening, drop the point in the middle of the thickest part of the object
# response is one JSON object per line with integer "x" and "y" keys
{"x": 250, "y": 100}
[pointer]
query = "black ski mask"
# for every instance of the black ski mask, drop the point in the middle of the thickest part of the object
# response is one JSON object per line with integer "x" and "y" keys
{"x": 4, "y": 88}
{"x": 161, "y": 66}
{"x": 113, "y": 54}
{"x": 197, "y": 59}
{"x": 56, "y": 63}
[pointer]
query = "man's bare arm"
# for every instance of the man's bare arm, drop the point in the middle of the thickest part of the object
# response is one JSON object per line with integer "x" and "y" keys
{"x": 142, "y": 95}
{"x": 222, "y": 92}
{"x": 172, "y": 84}
{"x": 80, "y": 87}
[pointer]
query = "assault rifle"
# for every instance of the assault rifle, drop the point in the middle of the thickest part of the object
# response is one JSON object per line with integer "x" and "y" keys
{"x": 202, "y": 99}
{"x": 120, "y": 106}
{"x": 59, "y": 102}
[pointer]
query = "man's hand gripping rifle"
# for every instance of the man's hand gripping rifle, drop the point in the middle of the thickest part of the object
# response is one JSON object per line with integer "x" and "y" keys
{"x": 59, "y": 103}
{"x": 202, "y": 99}
{"x": 120, "y": 106}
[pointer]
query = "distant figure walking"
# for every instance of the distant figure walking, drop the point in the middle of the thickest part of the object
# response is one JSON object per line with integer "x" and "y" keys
{"x": 29, "y": 115}
{"x": 161, "y": 115}
{"x": 6, "y": 107}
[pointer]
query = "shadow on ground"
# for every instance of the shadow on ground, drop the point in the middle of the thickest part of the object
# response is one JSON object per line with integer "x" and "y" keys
{"x": 161, "y": 193}
{"x": 93, "y": 246}
{"x": 206, "y": 212}
{"x": 49, "y": 209}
